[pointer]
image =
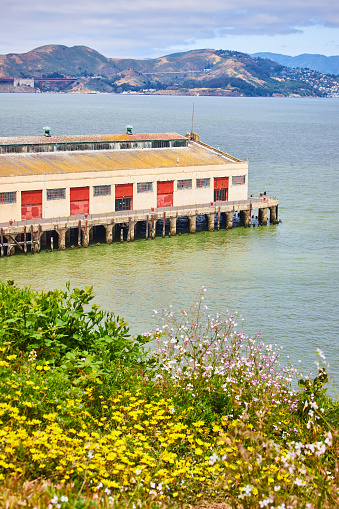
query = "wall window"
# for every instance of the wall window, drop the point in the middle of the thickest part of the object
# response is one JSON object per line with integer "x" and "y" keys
{"x": 101, "y": 146}
{"x": 203, "y": 182}
{"x": 160, "y": 144}
{"x": 145, "y": 187}
{"x": 238, "y": 180}
{"x": 11, "y": 149}
{"x": 184, "y": 184}
{"x": 8, "y": 197}
{"x": 101, "y": 190}
{"x": 179, "y": 143}
{"x": 56, "y": 194}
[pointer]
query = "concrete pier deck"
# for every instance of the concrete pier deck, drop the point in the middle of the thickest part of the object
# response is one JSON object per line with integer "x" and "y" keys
{"x": 21, "y": 234}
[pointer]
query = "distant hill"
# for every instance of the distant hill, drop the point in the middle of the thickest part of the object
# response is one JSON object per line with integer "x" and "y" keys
{"x": 45, "y": 60}
{"x": 204, "y": 72}
{"x": 321, "y": 63}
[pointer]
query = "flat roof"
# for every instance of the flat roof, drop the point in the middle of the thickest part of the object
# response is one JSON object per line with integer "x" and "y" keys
{"x": 81, "y": 138}
{"x": 41, "y": 163}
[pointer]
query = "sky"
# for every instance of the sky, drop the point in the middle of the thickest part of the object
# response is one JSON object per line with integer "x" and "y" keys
{"x": 152, "y": 28}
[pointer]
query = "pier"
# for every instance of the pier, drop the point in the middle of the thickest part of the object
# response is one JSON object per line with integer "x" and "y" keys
{"x": 32, "y": 235}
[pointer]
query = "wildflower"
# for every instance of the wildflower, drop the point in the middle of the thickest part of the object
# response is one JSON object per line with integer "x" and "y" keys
{"x": 247, "y": 490}
{"x": 265, "y": 502}
{"x": 320, "y": 353}
{"x": 299, "y": 482}
{"x": 328, "y": 439}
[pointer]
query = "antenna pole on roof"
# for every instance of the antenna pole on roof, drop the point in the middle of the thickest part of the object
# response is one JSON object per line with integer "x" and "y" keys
{"x": 192, "y": 121}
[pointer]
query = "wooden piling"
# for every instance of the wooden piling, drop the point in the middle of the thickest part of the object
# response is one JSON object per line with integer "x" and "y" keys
{"x": 32, "y": 239}
{"x": 39, "y": 236}
{"x": 147, "y": 226}
{"x": 1, "y": 242}
{"x": 79, "y": 234}
{"x": 164, "y": 224}
{"x": 25, "y": 240}
{"x": 153, "y": 227}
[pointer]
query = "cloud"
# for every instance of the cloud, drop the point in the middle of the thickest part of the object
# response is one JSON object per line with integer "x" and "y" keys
{"x": 139, "y": 28}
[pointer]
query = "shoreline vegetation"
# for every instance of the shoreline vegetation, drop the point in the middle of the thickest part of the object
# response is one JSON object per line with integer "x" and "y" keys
{"x": 194, "y": 414}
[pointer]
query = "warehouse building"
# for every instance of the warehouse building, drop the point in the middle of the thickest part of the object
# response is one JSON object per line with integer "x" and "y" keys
{"x": 55, "y": 190}
{"x": 60, "y": 176}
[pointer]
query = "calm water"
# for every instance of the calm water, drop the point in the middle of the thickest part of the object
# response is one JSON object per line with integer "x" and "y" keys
{"x": 283, "y": 279}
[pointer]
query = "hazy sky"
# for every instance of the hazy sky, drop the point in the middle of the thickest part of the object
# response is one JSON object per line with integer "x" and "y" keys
{"x": 152, "y": 28}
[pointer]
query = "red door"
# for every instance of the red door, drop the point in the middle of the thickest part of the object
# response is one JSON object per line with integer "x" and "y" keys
{"x": 165, "y": 194}
{"x": 221, "y": 189}
{"x": 124, "y": 197}
{"x": 79, "y": 197}
{"x": 31, "y": 204}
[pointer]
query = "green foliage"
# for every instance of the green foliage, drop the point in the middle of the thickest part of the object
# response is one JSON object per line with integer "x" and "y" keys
{"x": 57, "y": 323}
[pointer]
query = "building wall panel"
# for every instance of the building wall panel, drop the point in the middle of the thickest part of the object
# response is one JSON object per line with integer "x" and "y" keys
{"x": 31, "y": 197}
{"x": 31, "y": 212}
{"x": 124, "y": 191}
{"x": 79, "y": 193}
{"x": 165, "y": 187}
{"x": 165, "y": 193}
{"x": 31, "y": 204}
{"x": 220, "y": 183}
{"x": 79, "y": 200}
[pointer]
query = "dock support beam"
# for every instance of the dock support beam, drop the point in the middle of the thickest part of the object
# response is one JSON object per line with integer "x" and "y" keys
{"x": 25, "y": 240}
{"x": 262, "y": 216}
{"x": 85, "y": 236}
{"x": 193, "y": 223}
{"x": 245, "y": 218}
{"x": 164, "y": 225}
{"x": 79, "y": 234}
{"x": 62, "y": 239}
{"x": 109, "y": 234}
{"x": 36, "y": 238}
{"x": 229, "y": 220}
{"x": 211, "y": 218}
{"x": 147, "y": 227}
{"x": 153, "y": 227}
{"x": 273, "y": 214}
{"x": 131, "y": 231}
{"x": 173, "y": 226}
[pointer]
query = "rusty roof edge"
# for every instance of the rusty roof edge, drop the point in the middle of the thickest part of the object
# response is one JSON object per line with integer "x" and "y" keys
{"x": 27, "y": 140}
{"x": 218, "y": 151}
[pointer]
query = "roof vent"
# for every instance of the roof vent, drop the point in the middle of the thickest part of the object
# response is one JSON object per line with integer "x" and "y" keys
{"x": 47, "y": 132}
{"x": 129, "y": 129}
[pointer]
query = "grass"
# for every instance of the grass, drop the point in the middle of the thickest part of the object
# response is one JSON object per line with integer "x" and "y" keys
{"x": 92, "y": 419}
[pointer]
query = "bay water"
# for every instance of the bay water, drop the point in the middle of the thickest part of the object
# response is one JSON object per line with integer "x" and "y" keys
{"x": 283, "y": 279}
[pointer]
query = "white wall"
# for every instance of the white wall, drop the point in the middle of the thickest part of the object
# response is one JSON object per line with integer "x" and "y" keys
{"x": 105, "y": 204}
